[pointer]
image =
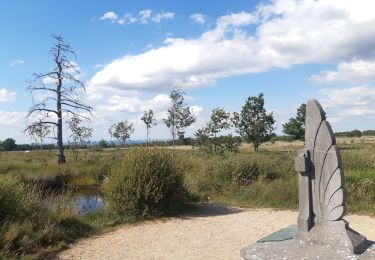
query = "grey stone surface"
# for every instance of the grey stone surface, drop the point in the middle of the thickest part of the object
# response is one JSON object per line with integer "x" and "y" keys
{"x": 299, "y": 248}
{"x": 305, "y": 216}
{"x": 322, "y": 233}
{"x": 326, "y": 171}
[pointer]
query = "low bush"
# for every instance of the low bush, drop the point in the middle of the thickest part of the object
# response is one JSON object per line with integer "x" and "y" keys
{"x": 145, "y": 184}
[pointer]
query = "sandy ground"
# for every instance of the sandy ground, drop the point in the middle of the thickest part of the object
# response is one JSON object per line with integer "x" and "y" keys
{"x": 213, "y": 232}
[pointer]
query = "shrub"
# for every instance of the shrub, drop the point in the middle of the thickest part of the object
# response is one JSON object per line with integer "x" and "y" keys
{"x": 144, "y": 185}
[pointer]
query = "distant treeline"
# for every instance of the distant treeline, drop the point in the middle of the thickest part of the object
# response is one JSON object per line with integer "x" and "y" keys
{"x": 9, "y": 144}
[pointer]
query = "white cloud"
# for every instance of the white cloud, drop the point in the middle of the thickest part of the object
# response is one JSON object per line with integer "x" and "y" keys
{"x": 286, "y": 33}
{"x": 198, "y": 18}
{"x": 11, "y": 118}
{"x": 354, "y": 96}
{"x": 143, "y": 17}
{"x": 16, "y": 62}
{"x": 355, "y": 71}
{"x": 196, "y": 110}
{"x": 160, "y": 16}
{"x": 6, "y": 95}
{"x": 109, "y": 16}
{"x": 349, "y": 102}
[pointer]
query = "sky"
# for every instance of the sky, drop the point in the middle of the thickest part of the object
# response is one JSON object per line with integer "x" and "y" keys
{"x": 131, "y": 54}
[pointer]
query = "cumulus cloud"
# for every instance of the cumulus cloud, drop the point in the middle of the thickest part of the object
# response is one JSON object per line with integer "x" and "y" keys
{"x": 198, "y": 18}
{"x": 143, "y": 17}
{"x": 349, "y": 102}
{"x": 7, "y": 95}
{"x": 354, "y": 71}
{"x": 286, "y": 33}
{"x": 109, "y": 16}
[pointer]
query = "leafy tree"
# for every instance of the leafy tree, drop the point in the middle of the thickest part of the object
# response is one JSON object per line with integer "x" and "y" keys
{"x": 179, "y": 115}
{"x": 150, "y": 121}
{"x": 79, "y": 134}
{"x": 8, "y": 144}
{"x": 121, "y": 131}
{"x": 103, "y": 143}
{"x": 219, "y": 120}
{"x": 254, "y": 124}
{"x": 295, "y": 127}
{"x": 60, "y": 89}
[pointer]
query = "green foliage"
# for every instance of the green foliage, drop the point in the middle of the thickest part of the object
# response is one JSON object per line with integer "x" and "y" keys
{"x": 79, "y": 134}
{"x": 354, "y": 133}
{"x": 206, "y": 137}
{"x": 253, "y": 123}
{"x": 103, "y": 143}
{"x": 144, "y": 185}
{"x": 121, "y": 131}
{"x": 8, "y": 144}
{"x": 295, "y": 127}
{"x": 27, "y": 225}
{"x": 179, "y": 114}
{"x": 149, "y": 120}
{"x": 217, "y": 145}
{"x": 219, "y": 121}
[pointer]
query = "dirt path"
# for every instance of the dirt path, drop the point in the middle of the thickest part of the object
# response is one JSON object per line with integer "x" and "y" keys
{"x": 213, "y": 232}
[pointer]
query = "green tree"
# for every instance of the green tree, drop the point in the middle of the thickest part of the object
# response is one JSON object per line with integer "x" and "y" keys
{"x": 295, "y": 127}
{"x": 254, "y": 124}
{"x": 60, "y": 89}
{"x": 103, "y": 143}
{"x": 79, "y": 134}
{"x": 121, "y": 131}
{"x": 8, "y": 144}
{"x": 219, "y": 120}
{"x": 150, "y": 121}
{"x": 179, "y": 115}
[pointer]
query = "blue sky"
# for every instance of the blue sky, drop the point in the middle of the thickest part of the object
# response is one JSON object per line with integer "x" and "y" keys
{"x": 132, "y": 53}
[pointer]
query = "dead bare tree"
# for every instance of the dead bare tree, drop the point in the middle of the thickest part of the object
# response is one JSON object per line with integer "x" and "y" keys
{"x": 57, "y": 94}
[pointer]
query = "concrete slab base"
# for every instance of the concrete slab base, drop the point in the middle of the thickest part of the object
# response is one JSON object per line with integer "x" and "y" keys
{"x": 298, "y": 248}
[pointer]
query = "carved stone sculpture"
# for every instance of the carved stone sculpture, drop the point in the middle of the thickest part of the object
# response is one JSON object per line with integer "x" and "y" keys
{"x": 321, "y": 185}
{"x": 321, "y": 232}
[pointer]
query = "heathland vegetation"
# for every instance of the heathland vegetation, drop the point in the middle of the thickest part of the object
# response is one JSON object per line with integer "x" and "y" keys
{"x": 152, "y": 179}
{"x": 140, "y": 183}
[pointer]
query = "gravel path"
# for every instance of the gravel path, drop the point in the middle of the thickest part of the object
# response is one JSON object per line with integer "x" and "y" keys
{"x": 213, "y": 232}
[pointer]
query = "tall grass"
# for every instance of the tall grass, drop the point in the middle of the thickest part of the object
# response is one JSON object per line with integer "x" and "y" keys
{"x": 268, "y": 179}
{"x": 27, "y": 225}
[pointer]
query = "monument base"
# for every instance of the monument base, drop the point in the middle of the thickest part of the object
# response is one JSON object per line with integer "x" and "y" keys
{"x": 336, "y": 234}
{"x": 300, "y": 248}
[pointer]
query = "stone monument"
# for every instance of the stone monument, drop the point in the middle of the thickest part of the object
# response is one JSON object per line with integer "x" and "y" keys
{"x": 321, "y": 231}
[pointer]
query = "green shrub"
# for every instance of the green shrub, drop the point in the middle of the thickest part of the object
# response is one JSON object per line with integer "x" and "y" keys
{"x": 145, "y": 184}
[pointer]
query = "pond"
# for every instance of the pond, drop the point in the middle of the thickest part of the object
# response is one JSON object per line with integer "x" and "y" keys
{"x": 82, "y": 201}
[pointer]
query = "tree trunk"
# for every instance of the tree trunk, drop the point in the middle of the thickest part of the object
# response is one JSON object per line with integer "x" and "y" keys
{"x": 173, "y": 141}
{"x": 60, "y": 145}
{"x": 147, "y": 136}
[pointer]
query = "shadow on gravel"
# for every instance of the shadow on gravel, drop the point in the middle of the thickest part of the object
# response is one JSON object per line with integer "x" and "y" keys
{"x": 210, "y": 210}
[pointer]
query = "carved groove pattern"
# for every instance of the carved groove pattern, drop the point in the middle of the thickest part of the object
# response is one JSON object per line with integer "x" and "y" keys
{"x": 327, "y": 174}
